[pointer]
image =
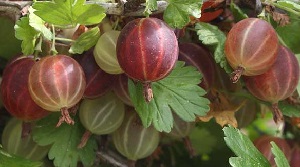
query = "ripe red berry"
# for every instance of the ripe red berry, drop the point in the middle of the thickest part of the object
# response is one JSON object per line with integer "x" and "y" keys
{"x": 57, "y": 83}
{"x": 251, "y": 47}
{"x": 14, "y": 90}
{"x": 263, "y": 145}
{"x": 278, "y": 83}
{"x": 147, "y": 50}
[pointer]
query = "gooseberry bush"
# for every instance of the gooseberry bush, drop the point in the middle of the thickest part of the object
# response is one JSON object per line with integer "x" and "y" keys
{"x": 150, "y": 83}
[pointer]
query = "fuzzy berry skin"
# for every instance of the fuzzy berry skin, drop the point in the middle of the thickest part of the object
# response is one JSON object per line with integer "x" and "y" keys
{"x": 14, "y": 90}
{"x": 279, "y": 82}
{"x": 147, "y": 49}
{"x": 56, "y": 82}
{"x": 251, "y": 45}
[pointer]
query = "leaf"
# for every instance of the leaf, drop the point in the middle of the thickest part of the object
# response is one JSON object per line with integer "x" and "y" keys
{"x": 289, "y": 110}
{"x": 211, "y": 35}
{"x": 222, "y": 110}
{"x": 237, "y": 12}
{"x": 151, "y": 5}
{"x": 7, "y": 160}
{"x": 289, "y": 4}
{"x": 85, "y": 41}
{"x": 179, "y": 92}
{"x": 289, "y": 35}
{"x": 38, "y": 24}
{"x": 69, "y": 12}
{"x": 64, "y": 140}
{"x": 28, "y": 35}
{"x": 177, "y": 13}
{"x": 280, "y": 158}
{"x": 241, "y": 145}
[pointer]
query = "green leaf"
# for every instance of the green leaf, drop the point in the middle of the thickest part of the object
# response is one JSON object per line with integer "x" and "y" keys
{"x": 289, "y": 4}
{"x": 179, "y": 92}
{"x": 64, "y": 140}
{"x": 28, "y": 35}
{"x": 280, "y": 158}
{"x": 151, "y": 5}
{"x": 241, "y": 145}
{"x": 38, "y": 24}
{"x": 289, "y": 35}
{"x": 69, "y": 12}
{"x": 85, "y": 41}
{"x": 211, "y": 35}
{"x": 177, "y": 13}
{"x": 237, "y": 12}
{"x": 7, "y": 160}
{"x": 289, "y": 110}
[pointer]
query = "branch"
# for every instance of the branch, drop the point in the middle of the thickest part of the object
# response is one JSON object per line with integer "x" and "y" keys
{"x": 14, "y": 8}
{"x": 111, "y": 158}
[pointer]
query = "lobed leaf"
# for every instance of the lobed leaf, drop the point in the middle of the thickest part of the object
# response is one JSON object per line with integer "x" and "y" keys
{"x": 38, "y": 24}
{"x": 178, "y": 92}
{"x": 64, "y": 140}
{"x": 241, "y": 145}
{"x": 280, "y": 158}
{"x": 26, "y": 33}
{"x": 69, "y": 12}
{"x": 177, "y": 14}
{"x": 213, "y": 36}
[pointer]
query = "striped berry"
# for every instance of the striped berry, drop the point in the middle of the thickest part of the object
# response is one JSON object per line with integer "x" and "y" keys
{"x": 14, "y": 90}
{"x": 133, "y": 140}
{"x": 147, "y": 50}
{"x": 101, "y": 116}
{"x": 57, "y": 83}
{"x": 278, "y": 83}
{"x": 251, "y": 47}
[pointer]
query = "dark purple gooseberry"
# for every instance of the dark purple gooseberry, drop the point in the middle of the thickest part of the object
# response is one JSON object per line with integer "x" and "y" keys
{"x": 278, "y": 83}
{"x": 199, "y": 57}
{"x": 147, "y": 50}
{"x": 14, "y": 90}
{"x": 98, "y": 82}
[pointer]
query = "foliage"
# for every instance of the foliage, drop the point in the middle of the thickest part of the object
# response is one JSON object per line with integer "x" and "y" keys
{"x": 177, "y": 92}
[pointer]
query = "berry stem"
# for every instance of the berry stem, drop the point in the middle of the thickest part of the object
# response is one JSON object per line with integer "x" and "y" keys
{"x": 277, "y": 114}
{"x": 85, "y": 137}
{"x": 148, "y": 93}
{"x": 188, "y": 145}
{"x": 65, "y": 117}
{"x": 236, "y": 74}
